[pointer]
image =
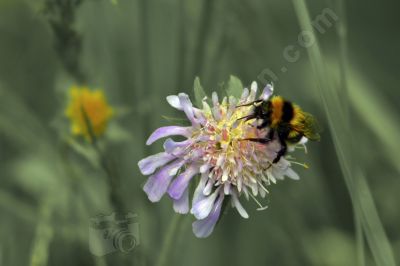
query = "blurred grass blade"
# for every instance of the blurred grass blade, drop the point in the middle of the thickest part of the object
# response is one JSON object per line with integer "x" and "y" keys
{"x": 18, "y": 122}
{"x": 43, "y": 235}
{"x": 360, "y": 242}
{"x": 16, "y": 206}
{"x": 343, "y": 62}
{"x": 374, "y": 232}
{"x": 358, "y": 187}
{"x": 378, "y": 115}
{"x": 172, "y": 233}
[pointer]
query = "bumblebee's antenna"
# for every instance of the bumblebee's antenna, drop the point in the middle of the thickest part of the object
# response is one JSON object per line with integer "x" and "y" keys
{"x": 250, "y": 103}
{"x": 247, "y": 117}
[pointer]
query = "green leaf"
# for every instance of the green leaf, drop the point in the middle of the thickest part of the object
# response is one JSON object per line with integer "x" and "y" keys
{"x": 199, "y": 93}
{"x": 174, "y": 119}
{"x": 235, "y": 87}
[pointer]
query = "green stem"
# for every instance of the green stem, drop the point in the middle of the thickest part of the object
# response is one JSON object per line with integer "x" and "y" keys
{"x": 359, "y": 239}
{"x": 112, "y": 177}
{"x": 343, "y": 60}
{"x": 356, "y": 182}
{"x": 43, "y": 234}
{"x": 172, "y": 232}
{"x": 60, "y": 15}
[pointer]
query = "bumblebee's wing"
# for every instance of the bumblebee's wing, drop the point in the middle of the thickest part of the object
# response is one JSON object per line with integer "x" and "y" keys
{"x": 311, "y": 127}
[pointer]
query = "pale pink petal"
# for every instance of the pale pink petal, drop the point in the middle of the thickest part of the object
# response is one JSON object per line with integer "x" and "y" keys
{"x": 149, "y": 164}
{"x": 181, "y": 182}
{"x": 187, "y": 107}
{"x": 169, "y": 131}
{"x": 203, "y": 228}
{"x": 175, "y": 147}
{"x": 157, "y": 184}
{"x": 182, "y": 204}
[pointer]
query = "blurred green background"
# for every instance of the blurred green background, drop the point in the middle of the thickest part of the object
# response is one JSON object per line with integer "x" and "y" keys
{"x": 140, "y": 51}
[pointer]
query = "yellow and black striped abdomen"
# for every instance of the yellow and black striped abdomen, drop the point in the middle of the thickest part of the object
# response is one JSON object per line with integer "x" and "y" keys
{"x": 282, "y": 111}
{"x": 287, "y": 118}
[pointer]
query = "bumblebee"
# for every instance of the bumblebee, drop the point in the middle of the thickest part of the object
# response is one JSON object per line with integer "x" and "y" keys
{"x": 286, "y": 121}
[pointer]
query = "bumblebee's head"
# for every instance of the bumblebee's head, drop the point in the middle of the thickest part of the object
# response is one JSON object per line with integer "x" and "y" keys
{"x": 257, "y": 108}
{"x": 254, "y": 103}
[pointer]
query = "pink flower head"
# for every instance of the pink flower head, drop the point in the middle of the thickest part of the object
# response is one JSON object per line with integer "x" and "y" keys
{"x": 215, "y": 149}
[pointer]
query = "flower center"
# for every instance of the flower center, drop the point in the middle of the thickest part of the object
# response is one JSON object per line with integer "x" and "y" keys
{"x": 225, "y": 149}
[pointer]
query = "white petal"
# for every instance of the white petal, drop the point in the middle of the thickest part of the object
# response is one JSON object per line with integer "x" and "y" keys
{"x": 204, "y": 168}
{"x": 215, "y": 110}
{"x": 271, "y": 177}
{"x": 206, "y": 107}
{"x": 253, "y": 92}
{"x": 303, "y": 140}
{"x": 220, "y": 160}
{"x": 267, "y": 92}
{"x": 245, "y": 94}
{"x": 198, "y": 193}
{"x": 203, "y": 208}
{"x": 246, "y": 193}
{"x": 173, "y": 100}
{"x": 208, "y": 187}
{"x": 262, "y": 193}
{"x": 225, "y": 175}
{"x": 214, "y": 97}
{"x": 239, "y": 206}
{"x": 292, "y": 174}
{"x": 254, "y": 189}
{"x": 277, "y": 173}
{"x": 227, "y": 188}
{"x": 239, "y": 184}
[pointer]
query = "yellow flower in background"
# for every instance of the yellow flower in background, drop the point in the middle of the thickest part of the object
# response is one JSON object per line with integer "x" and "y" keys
{"x": 85, "y": 104}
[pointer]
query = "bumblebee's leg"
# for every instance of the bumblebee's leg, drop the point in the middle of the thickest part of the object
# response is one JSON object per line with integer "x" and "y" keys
{"x": 247, "y": 117}
{"x": 283, "y": 149}
{"x": 264, "y": 140}
{"x": 260, "y": 140}
{"x": 271, "y": 134}
{"x": 280, "y": 153}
